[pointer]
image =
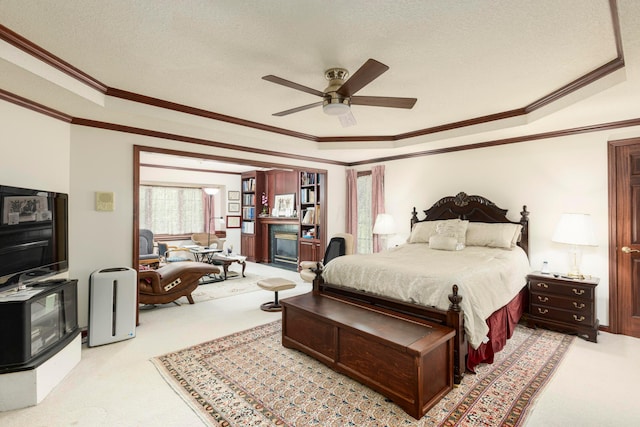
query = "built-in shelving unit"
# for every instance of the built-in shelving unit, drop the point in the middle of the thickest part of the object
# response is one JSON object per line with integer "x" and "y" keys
{"x": 312, "y": 232}
{"x": 252, "y": 185}
{"x": 309, "y": 224}
{"x": 310, "y": 207}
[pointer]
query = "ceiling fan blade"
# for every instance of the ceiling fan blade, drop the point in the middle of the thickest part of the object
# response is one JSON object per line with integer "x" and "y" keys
{"x": 295, "y": 110}
{"x": 347, "y": 120}
{"x": 383, "y": 101}
{"x": 287, "y": 83}
{"x": 369, "y": 71}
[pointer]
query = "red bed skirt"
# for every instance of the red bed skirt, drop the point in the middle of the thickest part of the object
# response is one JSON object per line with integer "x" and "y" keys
{"x": 501, "y": 324}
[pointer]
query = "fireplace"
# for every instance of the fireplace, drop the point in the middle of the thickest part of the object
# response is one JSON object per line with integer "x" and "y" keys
{"x": 283, "y": 246}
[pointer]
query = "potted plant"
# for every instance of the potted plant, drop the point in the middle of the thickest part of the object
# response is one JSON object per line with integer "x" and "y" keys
{"x": 265, "y": 205}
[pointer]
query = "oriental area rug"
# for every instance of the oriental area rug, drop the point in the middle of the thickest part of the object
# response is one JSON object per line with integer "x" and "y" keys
{"x": 249, "y": 379}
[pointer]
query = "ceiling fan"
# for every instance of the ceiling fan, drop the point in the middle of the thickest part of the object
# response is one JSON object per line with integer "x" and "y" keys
{"x": 338, "y": 97}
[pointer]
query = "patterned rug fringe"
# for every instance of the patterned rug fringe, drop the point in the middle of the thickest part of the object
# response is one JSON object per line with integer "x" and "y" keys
{"x": 248, "y": 378}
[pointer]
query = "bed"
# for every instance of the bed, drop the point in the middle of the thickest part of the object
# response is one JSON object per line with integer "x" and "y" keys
{"x": 464, "y": 266}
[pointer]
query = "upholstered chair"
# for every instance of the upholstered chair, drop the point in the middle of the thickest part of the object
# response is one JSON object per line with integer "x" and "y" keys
{"x": 340, "y": 244}
{"x": 147, "y": 256}
{"x": 205, "y": 239}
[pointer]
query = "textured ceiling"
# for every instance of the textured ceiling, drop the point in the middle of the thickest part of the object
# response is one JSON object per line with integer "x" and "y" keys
{"x": 460, "y": 59}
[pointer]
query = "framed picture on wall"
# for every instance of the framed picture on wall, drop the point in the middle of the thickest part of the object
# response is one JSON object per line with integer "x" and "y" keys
{"x": 234, "y": 207}
{"x": 233, "y": 195}
{"x": 233, "y": 221}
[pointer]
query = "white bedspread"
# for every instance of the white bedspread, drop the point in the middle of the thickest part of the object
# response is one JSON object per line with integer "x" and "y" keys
{"x": 487, "y": 278}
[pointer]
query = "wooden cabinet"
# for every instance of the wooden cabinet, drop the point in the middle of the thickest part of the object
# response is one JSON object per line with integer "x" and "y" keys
{"x": 563, "y": 304}
{"x": 309, "y": 250}
{"x": 252, "y": 186}
{"x": 312, "y": 211}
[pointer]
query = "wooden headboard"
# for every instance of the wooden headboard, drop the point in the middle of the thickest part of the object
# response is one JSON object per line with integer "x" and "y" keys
{"x": 476, "y": 209}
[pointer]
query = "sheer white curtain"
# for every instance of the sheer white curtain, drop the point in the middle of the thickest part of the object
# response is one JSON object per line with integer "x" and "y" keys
{"x": 172, "y": 210}
{"x": 365, "y": 221}
{"x": 365, "y": 200}
{"x": 352, "y": 203}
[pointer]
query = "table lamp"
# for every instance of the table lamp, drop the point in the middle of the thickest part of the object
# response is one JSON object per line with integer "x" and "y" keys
{"x": 575, "y": 229}
{"x": 384, "y": 226}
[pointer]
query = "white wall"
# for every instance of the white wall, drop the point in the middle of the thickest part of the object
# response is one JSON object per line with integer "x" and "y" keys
{"x": 35, "y": 150}
{"x": 102, "y": 160}
{"x": 550, "y": 176}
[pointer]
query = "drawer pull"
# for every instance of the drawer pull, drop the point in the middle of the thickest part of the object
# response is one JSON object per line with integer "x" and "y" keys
{"x": 545, "y": 311}
{"x": 542, "y": 285}
{"x": 576, "y": 305}
{"x": 543, "y": 299}
{"x": 578, "y": 291}
{"x": 578, "y": 319}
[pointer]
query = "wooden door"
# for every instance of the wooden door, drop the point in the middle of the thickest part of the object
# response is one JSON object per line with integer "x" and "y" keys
{"x": 624, "y": 249}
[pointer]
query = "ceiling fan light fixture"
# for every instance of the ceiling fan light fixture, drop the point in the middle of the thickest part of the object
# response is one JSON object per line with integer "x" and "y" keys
{"x": 336, "y": 107}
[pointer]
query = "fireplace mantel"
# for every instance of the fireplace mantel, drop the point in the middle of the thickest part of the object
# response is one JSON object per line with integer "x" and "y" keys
{"x": 279, "y": 220}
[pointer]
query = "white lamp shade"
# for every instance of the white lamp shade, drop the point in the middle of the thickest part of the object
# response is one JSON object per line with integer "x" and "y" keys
{"x": 575, "y": 229}
{"x": 384, "y": 224}
{"x": 211, "y": 191}
{"x": 336, "y": 109}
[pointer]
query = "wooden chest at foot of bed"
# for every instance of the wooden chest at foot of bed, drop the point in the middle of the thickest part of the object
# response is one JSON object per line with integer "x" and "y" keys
{"x": 408, "y": 362}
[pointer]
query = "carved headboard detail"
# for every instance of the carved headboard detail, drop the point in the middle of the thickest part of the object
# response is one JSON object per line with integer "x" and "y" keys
{"x": 473, "y": 208}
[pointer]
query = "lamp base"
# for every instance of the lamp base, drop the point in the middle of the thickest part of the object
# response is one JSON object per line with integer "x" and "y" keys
{"x": 575, "y": 276}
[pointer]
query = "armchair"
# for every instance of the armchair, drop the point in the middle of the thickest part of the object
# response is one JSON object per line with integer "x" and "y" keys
{"x": 340, "y": 244}
{"x": 175, "y": 254}
{"x": 147, "y": 256}
{"x": 172, "y": 281}
{"x": 205, "y": 239}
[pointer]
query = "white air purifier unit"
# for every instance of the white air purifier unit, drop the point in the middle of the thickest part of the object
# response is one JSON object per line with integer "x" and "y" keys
{"x": 112, "y": 305}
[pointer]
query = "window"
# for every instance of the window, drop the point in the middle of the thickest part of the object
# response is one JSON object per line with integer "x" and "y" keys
{"x": 171, "y": 210}
{"x": 364, "y": 244}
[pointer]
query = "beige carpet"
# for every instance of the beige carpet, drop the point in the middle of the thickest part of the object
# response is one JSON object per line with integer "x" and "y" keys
{"x": 234, "y": 285}
{"x": 248, "y": 378}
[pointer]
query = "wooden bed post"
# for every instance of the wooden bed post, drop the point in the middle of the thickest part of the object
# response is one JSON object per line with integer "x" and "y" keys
{"x": 414, "y": 217}
{"x": 524, "y": 220}
{"x": 455, "y": 319}
{"x": 318, "y": 281}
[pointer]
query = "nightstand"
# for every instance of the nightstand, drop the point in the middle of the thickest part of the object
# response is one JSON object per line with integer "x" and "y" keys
{"x": 563, "y": 304}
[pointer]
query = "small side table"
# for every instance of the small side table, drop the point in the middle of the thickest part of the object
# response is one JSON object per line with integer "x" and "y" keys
{"x": 226, "y": 260}
{"x": 563, "y": 304}
{"x": 204, "y": 254}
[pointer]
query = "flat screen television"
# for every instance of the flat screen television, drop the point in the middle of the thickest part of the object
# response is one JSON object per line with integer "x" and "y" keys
{"x": 33, "y": 235}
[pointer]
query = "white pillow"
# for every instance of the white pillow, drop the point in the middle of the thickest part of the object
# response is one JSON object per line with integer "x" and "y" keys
{"x": 493, "y": 235}
{"x": 444, "y": 243}
{"x": 422, "y": 231}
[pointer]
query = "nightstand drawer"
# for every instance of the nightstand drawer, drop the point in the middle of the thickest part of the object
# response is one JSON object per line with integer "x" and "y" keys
{"x": 554, "y": 301}
{"x": 576, "y": 318}
{"x": 563, "y": 304}
{"x": 574, "y": 290}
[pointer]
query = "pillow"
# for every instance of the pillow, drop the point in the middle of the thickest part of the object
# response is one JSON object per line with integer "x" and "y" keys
{"x": 498, "y": 235}
{"x": 444, "y": 243}
{"x": 422, "y": 231}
